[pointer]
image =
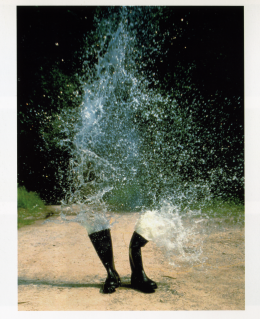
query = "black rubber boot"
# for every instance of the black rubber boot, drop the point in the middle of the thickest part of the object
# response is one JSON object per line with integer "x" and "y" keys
{"x": 102, "y": 243}
{"x": 139, "y": 279}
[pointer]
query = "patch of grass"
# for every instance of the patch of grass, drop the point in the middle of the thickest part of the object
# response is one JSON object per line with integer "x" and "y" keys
{"x": 129, "y": 197}
{"x": 30, "y": 207}
{"x": 230, "y": 211}
{"x": 125, "y": 198}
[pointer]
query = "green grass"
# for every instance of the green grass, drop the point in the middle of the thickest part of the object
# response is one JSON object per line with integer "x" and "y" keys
{"x": 124, "y": 198}
{"x": 30, "y": 207}
{"x": 229, "y": 211}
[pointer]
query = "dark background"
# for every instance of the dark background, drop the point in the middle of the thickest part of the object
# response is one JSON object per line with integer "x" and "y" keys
{"x": 51, "y": 46}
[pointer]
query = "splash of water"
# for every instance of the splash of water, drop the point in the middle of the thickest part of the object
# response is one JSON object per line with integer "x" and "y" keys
{"x": 135, "y": 149}
{"x": 167, "y": 228}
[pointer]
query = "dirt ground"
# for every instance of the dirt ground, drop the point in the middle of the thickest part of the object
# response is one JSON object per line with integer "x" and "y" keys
{"x": 58, "y": 269}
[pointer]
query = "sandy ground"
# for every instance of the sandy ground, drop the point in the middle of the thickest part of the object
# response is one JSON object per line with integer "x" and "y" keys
{"x": 58, "y": 269}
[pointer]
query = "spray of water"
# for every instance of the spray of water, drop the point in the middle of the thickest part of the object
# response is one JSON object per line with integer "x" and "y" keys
{"x": 133, "y": 148}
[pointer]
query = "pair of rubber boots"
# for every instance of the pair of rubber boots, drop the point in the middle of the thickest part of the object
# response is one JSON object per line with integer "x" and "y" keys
{"x": 102, "y": 243}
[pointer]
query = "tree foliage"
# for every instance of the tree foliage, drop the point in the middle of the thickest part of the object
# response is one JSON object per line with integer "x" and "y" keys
{"x": 51, "y": 47}
{"x": 195, "y": 54}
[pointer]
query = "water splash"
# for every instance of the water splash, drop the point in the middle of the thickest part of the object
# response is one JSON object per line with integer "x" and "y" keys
{"x": 170, "y": 231}
{"x": 134, "y": 148}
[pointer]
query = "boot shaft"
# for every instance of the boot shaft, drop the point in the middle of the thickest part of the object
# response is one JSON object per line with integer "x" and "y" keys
{"x": 102, "y": 243}
{"x": 139, "y": 279}
{"x": 137, "y": 241}
{"x": 135, "y": 255}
